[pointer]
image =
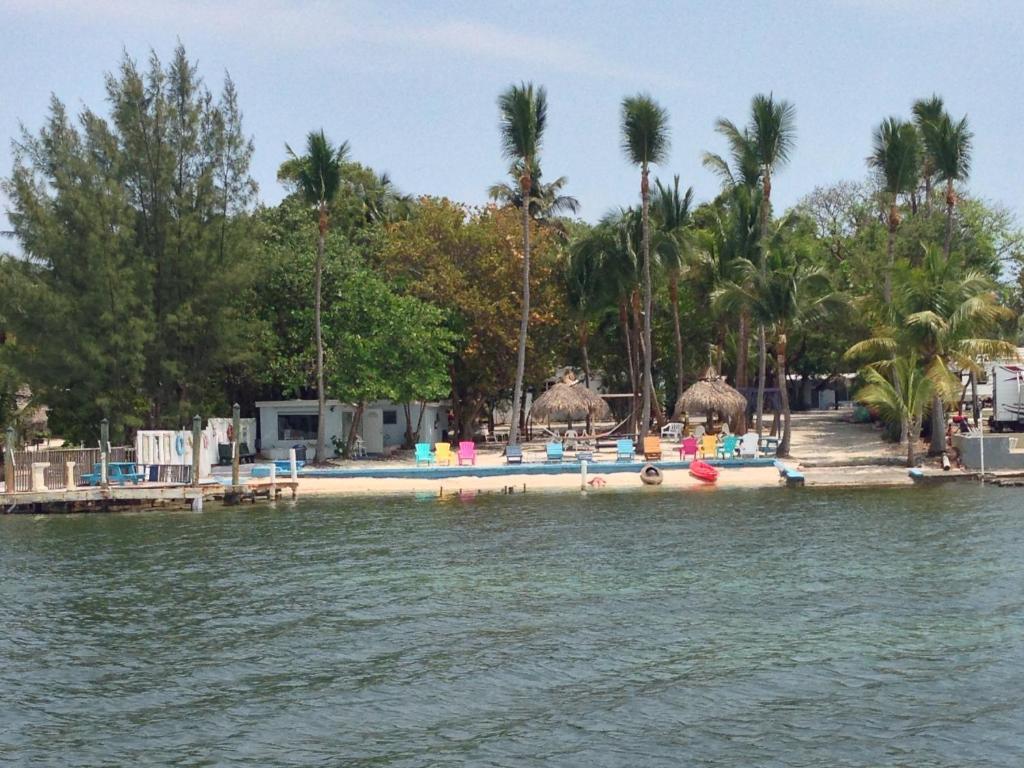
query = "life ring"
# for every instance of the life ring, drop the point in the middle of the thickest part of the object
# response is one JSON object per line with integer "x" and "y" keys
{"x": 231, "y": 433}
{"x": 179, "y": 445}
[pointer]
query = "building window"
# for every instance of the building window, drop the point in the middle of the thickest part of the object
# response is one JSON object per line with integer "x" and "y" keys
{"x": 297, "y": 426}
{"x": 390, "y": 417}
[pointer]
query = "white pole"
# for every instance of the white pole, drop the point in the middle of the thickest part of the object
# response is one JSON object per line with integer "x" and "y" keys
{"x": 981, "y": 436}
{"x": 291, "y": 463}
{"x": 583, "y": 475}
{"x": 69, "y": 476}
{"x": 273, "y": 480}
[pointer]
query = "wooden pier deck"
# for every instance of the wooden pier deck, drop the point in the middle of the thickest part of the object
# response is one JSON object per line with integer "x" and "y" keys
{"x": 140, "y": 496}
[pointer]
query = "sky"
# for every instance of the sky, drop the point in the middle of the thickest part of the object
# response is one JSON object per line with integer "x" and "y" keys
{"x": 413, "y": 86}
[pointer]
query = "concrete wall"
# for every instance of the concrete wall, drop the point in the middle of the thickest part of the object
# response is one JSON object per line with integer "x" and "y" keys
{"x": 1001, "y": 451}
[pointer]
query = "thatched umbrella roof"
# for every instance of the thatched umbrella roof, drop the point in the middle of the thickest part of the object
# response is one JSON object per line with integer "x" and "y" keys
{"x": 711, "y": 393}
{"x": 569, "y": 399}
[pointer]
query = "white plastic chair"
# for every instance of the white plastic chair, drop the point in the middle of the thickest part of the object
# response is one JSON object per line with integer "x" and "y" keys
{"x": 748, "y": 446}
{"x": 672, "y": 431}
{"x": 698, "y": 431}
{"x": 570, "y": 438}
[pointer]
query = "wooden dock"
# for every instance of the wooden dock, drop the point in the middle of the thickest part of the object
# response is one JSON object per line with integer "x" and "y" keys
{"x": 140, "y": 496}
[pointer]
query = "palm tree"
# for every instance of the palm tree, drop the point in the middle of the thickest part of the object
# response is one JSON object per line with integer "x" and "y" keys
{"x": 782, "y": 295}
{"x": 547, "y": 201}
{"x": 645, "y": 140}
{"x": 317, "y": 175}
{"x": 941, "y": 313}
{"x": 927, "y": 112}
{"x": 672, "y": 214}
{"x": 897, "y": 158}
{"x": 524, "y": 113}
{"x": 773, "y": 130}
{"x": 948, "y": 145}
{"x": 743, "y": 174}
{"x": 904, "y": 399}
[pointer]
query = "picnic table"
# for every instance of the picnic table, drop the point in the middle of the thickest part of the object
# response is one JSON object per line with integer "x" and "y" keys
{"x": 120, "y": 472}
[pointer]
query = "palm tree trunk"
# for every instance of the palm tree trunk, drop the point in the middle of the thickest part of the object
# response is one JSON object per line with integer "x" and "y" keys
{"x": 742, "y": 345}
{"x": 780, "y": 357}
{"x": 524, "y": 323}
{"x": 762, "y": 357}
{"x": 645, "y": 410}
{"x": 626, "y": 334}
{"x": 673, "y": 289}
{"x": 937, "y": 442}
{"x": 890, "y": 253}
{"x": 321, "y": 398}
{"x": 907, "y": 425}
{"x": 950, "y": 202}
{"x": 762, "y": 348}
{"x": 584, "y": 351}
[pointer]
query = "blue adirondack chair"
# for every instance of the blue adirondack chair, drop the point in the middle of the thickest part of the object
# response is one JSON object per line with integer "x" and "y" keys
{"x": 727, "y": 448}
{"x": 423, "y": 454}
{"x": 554, "y": 453}
{"x": 513, "y": 454}
{"x": 624, "y": 450}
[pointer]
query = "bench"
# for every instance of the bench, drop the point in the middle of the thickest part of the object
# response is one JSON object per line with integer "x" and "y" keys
{"x": 791, "y": 476}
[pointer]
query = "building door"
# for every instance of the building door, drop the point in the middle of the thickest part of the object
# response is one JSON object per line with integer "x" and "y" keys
{"x": 373, "y": 430}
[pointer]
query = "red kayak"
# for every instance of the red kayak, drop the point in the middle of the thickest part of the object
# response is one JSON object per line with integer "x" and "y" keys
{"x": 703, "y": 471}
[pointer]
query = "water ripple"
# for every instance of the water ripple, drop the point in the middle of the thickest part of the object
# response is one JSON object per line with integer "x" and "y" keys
{"x": 736, "y": 628}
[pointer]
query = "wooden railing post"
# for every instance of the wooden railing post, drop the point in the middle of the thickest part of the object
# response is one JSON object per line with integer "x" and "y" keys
{"x": 104, "y": 452}
{"x": 236, "y": 423}
{"x": 9, "y": 461}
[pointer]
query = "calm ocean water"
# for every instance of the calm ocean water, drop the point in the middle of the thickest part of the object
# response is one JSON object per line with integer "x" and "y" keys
{"x": 749, "y": 628}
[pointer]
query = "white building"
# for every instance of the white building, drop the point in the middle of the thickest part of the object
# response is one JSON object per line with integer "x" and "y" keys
{"x": 284, "y": 424}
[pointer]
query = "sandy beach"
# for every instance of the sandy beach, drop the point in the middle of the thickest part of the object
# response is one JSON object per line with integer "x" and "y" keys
{"x": 828, "y": 448}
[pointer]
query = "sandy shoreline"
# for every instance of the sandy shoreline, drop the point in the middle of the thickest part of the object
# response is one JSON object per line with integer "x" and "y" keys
{"x": 680, "y": 479}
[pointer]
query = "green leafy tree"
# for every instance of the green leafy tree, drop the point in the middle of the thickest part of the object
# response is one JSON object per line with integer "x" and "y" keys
{"x": 645, "y": 140}
{"x": 135, "y": 236}
{"x": 317, "y": 177}
{"x": 523, "y": 119}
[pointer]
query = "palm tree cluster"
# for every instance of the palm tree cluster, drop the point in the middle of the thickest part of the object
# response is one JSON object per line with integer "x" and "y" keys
{"x": 700, "y": 280}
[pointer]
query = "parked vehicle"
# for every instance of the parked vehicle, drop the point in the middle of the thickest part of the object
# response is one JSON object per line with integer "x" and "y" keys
{"x": 1007, "y": 397}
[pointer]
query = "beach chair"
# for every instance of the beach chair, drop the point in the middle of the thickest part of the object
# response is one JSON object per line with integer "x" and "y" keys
{"x": 688, "y": 448}
{"x": 467, "y": 452}
{"x": 652, "y": 447}
{"x": 554, "y": 453}
{"x": 513, "y": 454}
{"x": 624, "y": 450}
{"x": 698, "y": 431}
{"x": 423, "y": 454}
{"x": 672, "y": 431}
{"x": 727, "y": 449}
{"x": 708, "y": 447}
{"x": 748, "y": 446}
{"x": 443, "y": 452}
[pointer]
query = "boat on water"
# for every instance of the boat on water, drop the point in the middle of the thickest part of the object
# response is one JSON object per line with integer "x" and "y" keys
{"x": 703, "y": 471}
{"x": 650, "y": 475}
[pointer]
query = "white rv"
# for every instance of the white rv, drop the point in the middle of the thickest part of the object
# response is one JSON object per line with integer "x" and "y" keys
{"x": 1007, "y": 381}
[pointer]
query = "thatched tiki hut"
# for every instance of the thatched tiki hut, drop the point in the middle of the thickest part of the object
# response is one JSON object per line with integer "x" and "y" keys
{"x": 712, "y": 396}
{"x": 569, "y": 399}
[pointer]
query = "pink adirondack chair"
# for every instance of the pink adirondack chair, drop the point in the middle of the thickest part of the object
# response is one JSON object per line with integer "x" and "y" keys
{"x": 467, "y": 452}
{"x": 688, "y": 448}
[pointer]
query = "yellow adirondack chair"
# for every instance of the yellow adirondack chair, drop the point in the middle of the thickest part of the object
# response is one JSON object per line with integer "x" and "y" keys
{"x": 708, "y": 446}
{"x": 443, "y": 452}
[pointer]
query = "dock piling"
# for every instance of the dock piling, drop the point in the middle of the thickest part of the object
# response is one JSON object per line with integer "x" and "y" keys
{"x": 236, "y": 410}
{"x": 197, "y": 441}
